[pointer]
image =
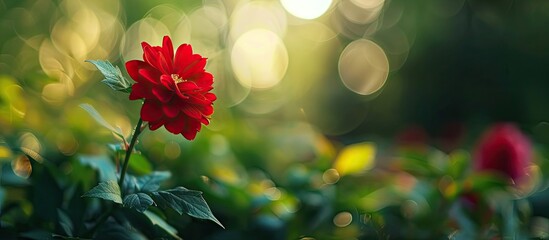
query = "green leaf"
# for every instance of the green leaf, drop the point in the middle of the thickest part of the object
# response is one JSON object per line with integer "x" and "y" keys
{"x": 481, "y": 182}
{"x": 6, "y": 153}
{"x": 459, "y": 163}
{"x": 2, "y": 195}
{"x": 356, "y": 158}
{"x": 466, "y": 225}
{"x": 156, "y": 220}
{"x": 37, "y": 234}
{"x": 151, "y": 182}
{"x": 99, "y": 119}
{"x": 130, "y": 185}
{"x": 65, "y": 223}
{"x": 115, "y": 231}
{"x": 108, "y": 190}
{"x": 187, "y": 201}
{"x": 139, "y": 164}
{"x": 102, "y": 164}
{"x": 113, "y": 77}
{"x": 139, "y": 201}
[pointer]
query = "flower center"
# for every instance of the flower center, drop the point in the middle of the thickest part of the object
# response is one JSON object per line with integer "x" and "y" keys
{"x": 177, "y": 79}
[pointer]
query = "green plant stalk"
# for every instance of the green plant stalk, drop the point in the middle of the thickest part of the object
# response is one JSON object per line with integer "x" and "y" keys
{"x": 107, "y": 213}
{"x": 129, "y": 151}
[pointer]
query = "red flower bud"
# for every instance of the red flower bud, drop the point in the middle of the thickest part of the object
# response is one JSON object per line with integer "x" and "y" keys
{"x": 505, "y": 150}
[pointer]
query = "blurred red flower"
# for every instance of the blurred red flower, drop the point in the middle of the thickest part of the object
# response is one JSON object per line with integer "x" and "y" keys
{"x": 504, "y": 149}
{"x": 176, "y": 89}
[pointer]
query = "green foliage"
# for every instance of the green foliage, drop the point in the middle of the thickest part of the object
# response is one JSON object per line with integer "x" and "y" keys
{"x": 138, "y": 201}
{"x": 139, "y": 164}
{"x": 156, "y": 220}
{"x": 99, "y": 119}
{"x": 101, "y": 164}
{"x": 146, "y": 183}
{"x": 264, "y": 176}
{"x": 37, "y": 234}
{"x": 115, "y": 231}
{"x": 113, "y": 77}
{"x": 180, "y": 199}
{"x": 151, "y": 182}
{"x": 108, "y": 190}
{"x": 65, "y": 223}
{"x": 187, "y": 201}
{"x": 9, "y": 178}
{"x": 486, "y": 182}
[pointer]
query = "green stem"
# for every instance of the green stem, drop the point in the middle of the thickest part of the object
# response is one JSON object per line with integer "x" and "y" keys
{"x": 129, "y": 152}
{"x": 107, "y": 213}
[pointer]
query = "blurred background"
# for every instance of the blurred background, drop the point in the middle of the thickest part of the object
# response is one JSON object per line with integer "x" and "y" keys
{"x": 314, "y": 98}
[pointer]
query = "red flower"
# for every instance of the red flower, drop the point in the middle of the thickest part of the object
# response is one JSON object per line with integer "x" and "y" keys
{"x": 176, "y": 89}
{"x": 504, "y": 149}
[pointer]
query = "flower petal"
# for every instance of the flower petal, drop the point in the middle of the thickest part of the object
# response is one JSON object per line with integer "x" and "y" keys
{"x": 175, "y": 126}
{"x": 189, "y": 135}
{"x": 156, "y": 125}
{"x": 165, "y": 64}
{"x": 170, "y": 110}
{"x": 187, "y": 86}
{"x": 167, "y": 49}
{"x": 139, "y": 90}
{"x": 197, "y": 68}
{"x": 133, "y": 67}
{"x": 190, "y": 130}
{"x": 168, "y": 82}
{"x": 205, "y": 120}
{"x": 191, "y": 67}
{"x": 207, "y": 110}
{"x": 203, "y": 80}
{"x": 198, "y": 99}
{"x": 151, "y": 111}
{"x": 181, "y": 55}
{"x": 150, "y": 55}
{"x": 162, "y": 94}
{"x": 150, "y": 74}
{"x": 192, "y": 112}
{"x": 210, "y": 96}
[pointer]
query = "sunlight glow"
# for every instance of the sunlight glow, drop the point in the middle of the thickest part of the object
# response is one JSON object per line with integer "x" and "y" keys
{"x": 257, "y": 15}
{"x": 306, "y": 9}
{"x": 259, "y": 59}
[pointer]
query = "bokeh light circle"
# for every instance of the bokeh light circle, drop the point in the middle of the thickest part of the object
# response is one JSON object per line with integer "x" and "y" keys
{"x": 396, "y": 45}
{"x": 259, "y": 59}
{"x": 206, "y": 31}
{"x": 361, "y": 11}
{"x": 148, "y": 30}
{"x": 363, "y": 67}
{"x": 306, "y": 9}
{"x": 343, "y": 219}
{"x": 229, "y": 91}
{"x": 258, "y": 15}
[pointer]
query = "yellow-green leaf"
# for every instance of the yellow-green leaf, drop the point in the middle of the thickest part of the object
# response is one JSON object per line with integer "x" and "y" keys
{"x": 355, "y": 158}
